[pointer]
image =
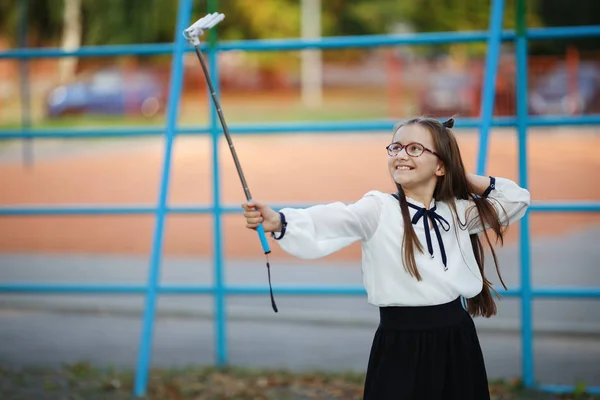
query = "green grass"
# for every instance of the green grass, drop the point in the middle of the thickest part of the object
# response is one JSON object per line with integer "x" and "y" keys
{"x": 237, "y": 109}
{"x": 87, "y": 122}
{"x": 247, "y": 115}
{"x": 82, "y": 381}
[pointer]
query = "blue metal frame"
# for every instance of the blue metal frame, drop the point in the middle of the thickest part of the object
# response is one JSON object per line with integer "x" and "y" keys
{"x": 220, "y": 325}
{"x": 489, "y": 81}
{"x": 527, "y": 356}
{"x": 494, "y": 37}
{"x": 184, "y": 15}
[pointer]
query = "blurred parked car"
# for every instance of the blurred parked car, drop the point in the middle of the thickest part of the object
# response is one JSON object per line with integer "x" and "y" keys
{"x": 108, "y": 91}
{"x": 459, "y": 93}
{"x": 566, "y": 92}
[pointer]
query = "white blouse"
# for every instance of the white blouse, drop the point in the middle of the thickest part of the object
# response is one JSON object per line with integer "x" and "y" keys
{"x": 376, "y": 221}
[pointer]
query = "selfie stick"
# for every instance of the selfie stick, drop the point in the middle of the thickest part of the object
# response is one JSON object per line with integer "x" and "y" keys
{"x": 192, "y": 34}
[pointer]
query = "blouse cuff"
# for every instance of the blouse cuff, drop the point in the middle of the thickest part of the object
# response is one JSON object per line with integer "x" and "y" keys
{"x": 283, "y": 228}
{"x": 491, "y": 187}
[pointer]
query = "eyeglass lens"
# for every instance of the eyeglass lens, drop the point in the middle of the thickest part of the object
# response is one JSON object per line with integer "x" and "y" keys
{"x": 412, "y": 149}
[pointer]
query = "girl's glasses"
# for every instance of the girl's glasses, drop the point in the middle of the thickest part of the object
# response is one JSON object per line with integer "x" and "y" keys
{"x": 412, "y": 149}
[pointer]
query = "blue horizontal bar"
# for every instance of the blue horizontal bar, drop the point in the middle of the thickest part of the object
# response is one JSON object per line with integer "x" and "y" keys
{"x": 288, "y": 127}
{"x": 340, "y": 42}
{"x": 261, "y": 45}
{"x": 567, "y": 292}
{"x": 6, "y": 134}
{"x": 97, "y": 210}
{"x": 81, "y": 288}
{"x": 421, "y": 38}
{"x": 75, "y": 288}
{"x": 84, "y": 288}
{"x": 300, "y": 126}
{"x": 379, "y": 125}
{"x": 557, "y": 120}
{"x": 66, "y": 133}
{"x": 288, "y": 290}
{"x": 566, "y": 389}
{"x": 554, "y": 292}
{"x": 275, "y": 206}
{"x": 565, "y": 207}
{"x": 36, "y": 210}
{"x": 331, "y": 42}
{"x": 91, "y": 51}
{"x": 71, "y": 210}
{"x": 297, "y": 290}
{"x": 563, "y": 32}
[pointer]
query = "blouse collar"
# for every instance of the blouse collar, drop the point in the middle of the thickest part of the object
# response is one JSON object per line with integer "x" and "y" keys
{"x": 416, "y": 202}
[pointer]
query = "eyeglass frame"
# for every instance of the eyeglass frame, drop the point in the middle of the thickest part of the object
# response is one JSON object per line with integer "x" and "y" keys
{"x": 404, "y": 146}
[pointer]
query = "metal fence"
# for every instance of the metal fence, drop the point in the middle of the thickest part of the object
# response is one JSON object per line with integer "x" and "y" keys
{"x": 494, "y": 37}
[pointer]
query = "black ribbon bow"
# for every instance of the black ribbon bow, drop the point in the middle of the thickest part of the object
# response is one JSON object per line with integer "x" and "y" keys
{"x": 426, "y": 214}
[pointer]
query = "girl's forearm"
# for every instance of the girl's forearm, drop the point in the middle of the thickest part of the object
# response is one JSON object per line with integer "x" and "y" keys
{"x": 479, "y": 182}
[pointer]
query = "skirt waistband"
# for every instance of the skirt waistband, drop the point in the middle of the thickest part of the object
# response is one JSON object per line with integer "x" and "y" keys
{"x": 422, "y": 317}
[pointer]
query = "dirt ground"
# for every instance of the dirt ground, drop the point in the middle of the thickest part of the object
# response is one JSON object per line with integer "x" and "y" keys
{"x": 280, "y": 169}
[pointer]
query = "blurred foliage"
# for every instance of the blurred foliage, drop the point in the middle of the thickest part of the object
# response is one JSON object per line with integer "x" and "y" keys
{"x": 150, "y": 21}
{"x": 568, "y": 12}
{"x": 109, "y": 22}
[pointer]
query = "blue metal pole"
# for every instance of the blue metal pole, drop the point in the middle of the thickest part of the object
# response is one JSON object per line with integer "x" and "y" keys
{"x": 220, "y": 324}
{"x": 554, "y": 292}
{"x": 334, "y": 127}
{"x": 25, "y": 86}
{"x": 339, "y": 42}
{"x": 141, "y": 378}
{"x": 489, "y": 82}
{"x": 525, "y": 257}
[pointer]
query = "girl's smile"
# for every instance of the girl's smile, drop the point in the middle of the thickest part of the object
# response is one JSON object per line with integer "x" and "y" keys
{"x": 413, "y": 162}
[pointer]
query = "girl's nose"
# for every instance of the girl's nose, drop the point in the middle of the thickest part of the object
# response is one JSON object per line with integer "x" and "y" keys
{"x": 402, "y": 154}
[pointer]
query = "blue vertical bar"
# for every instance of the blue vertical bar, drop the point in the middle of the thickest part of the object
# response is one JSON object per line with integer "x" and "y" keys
{"x": 25, "y": 86}
{"x": 489, "y": 82}
{"x": 220, "y": 323}
{"x": 525, "y": 258}
{"x": 141, "y": 378}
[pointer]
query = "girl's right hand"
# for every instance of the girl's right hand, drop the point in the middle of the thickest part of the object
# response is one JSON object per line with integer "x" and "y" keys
{"x": 256, "y": 213}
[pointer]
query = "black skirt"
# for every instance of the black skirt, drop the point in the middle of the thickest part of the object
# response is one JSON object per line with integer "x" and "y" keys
{"x": 426, "y": 353}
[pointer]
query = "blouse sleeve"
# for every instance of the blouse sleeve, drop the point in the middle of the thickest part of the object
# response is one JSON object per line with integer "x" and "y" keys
{"x": 509, "y": 199}
{"x": 318, "y": 231}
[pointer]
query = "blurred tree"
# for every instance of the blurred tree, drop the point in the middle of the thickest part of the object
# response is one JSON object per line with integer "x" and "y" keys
{"x": 269, "y": 19}
{"x": 71, "y": 38}
{"x": 150, "y": 21}
{"x": 565, "y": 13}
{"x": 44, "y": 21}
{"x": 461, "y": 15}
{"x": 128, "y": 22}
{"x": 361, "y": 17}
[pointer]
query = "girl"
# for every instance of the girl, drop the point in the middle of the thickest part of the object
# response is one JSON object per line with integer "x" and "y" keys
{"x": 421, "y": 252}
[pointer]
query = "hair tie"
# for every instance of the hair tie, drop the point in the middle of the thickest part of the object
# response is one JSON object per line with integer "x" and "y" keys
{"x": 448, "y": 124}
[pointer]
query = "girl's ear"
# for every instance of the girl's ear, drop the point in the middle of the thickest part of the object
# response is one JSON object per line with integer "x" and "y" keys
{"x": 441, "y": 170}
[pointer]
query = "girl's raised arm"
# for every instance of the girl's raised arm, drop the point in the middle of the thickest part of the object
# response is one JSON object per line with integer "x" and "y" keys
{"x": 508, "y": 198}
{"x": 318, "y": 231}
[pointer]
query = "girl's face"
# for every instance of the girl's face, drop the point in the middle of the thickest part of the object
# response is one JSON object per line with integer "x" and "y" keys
{"x": 415, "y": 165}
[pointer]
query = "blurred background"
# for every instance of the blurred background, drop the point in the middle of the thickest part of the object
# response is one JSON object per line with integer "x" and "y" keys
{"x": 383, "y": 83}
